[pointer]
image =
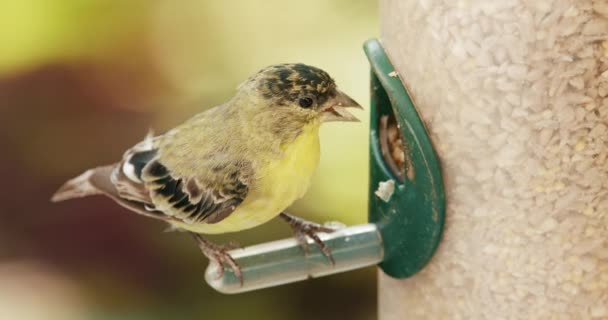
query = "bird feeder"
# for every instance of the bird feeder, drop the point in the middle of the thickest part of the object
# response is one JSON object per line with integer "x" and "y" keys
{"x": 515, "y": 97}
{"x": 406, "y": 204}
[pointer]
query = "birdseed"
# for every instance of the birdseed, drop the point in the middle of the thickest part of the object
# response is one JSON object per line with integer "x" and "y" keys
{"x": 391, "y": 145}
{"x": 385, "y": 190}
{"x": 514, "y": 94}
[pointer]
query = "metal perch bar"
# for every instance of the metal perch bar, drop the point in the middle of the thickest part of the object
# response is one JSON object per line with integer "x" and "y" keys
{"x": 280, "y": 262}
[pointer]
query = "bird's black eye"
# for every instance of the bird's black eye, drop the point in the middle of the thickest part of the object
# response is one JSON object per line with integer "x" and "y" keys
{"x": 305, "y": 102}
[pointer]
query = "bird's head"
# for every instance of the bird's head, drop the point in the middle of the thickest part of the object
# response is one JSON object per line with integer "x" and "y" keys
{"x": 302, "y": 91}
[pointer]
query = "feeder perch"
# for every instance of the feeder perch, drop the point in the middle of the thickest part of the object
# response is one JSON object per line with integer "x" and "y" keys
{"x": 405, "y": 225}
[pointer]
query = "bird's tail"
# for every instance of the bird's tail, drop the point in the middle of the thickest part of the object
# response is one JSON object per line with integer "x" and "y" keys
{"x": 91, "y": 182}
{"x": 99, "y": 181}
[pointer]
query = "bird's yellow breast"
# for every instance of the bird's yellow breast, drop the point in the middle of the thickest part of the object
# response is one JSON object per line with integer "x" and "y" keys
{"x": 279, "y": 184}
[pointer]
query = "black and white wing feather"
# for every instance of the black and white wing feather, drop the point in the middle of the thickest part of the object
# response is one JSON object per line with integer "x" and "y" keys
{"x": 208, "y": 198}
{"x": 142, "y": 183}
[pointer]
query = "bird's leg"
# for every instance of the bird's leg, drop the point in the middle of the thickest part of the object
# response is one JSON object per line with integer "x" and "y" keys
{"x": 303, "y": 229}
{"x": 219, "y": 254}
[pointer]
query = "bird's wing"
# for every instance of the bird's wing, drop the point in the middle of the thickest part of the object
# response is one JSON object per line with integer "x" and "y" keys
{"x": 143, "y": 184}
{"x": 142, "y": 177}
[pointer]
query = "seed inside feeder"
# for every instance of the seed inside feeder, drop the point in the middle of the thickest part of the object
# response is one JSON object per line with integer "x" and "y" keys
{"x": 393, "y": 148}
{"x": 515, "y": 94}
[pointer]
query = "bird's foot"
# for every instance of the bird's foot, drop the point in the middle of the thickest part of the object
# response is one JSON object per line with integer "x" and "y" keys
{"x": 303, "y": 229}
{"x": 219, "y": 254}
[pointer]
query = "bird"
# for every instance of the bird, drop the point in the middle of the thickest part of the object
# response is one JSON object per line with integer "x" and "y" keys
{"x": 231, "y": 167}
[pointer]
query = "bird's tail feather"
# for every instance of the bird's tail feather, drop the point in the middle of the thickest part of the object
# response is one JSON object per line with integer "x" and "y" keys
{"x": 99, "y": 181}
{"x": 91, "y": 182}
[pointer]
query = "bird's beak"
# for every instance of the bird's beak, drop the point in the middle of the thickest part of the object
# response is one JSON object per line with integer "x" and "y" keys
{"x": 335, "y": 109}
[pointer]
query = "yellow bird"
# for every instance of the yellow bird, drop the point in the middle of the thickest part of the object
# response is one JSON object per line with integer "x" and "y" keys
{"x": 232, "y": 167}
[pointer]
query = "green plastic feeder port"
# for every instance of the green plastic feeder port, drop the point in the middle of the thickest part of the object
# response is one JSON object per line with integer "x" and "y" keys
{"x": 411, "y": 222}
{"x": 405, "y": 224}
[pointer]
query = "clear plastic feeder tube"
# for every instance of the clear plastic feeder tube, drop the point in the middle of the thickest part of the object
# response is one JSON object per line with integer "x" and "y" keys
{"x": 280, "y": 262}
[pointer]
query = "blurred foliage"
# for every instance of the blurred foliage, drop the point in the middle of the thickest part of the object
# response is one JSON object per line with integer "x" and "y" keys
{"x": 81, "y": 80}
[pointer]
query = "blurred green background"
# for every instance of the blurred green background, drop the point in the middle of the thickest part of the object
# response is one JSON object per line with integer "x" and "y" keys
{"x": 81, "y": 80}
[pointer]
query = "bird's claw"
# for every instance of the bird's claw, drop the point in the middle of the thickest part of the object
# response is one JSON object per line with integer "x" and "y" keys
{"x": 218, "y": 253}
{"x": 303, "y": 229}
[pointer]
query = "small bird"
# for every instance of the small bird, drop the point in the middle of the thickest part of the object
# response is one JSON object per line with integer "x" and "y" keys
{"x": 231, "y": 167}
